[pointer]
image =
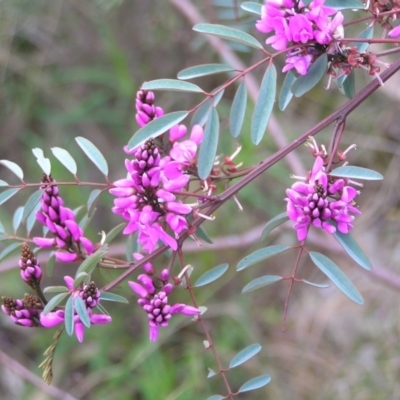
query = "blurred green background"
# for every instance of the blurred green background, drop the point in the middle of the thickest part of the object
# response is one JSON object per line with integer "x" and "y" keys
{"x": 71, "y": 68}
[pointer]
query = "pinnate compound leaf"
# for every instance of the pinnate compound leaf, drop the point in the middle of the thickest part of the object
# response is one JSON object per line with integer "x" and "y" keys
{"x": 114, "y": 232}
{"x": 353, "y": 172}
{"x": 211, "y": 275}
{"x": 56, "y": 289}
{"x": 14, "y": 168}
{"x": 255, "y": 383}
{"x": 172, "y": 84}
{"x": 251, "y": 7}
{"x": 261, "y": 282}
{"x": 69, "y": 316}
{"x": 353, "y": 250}
{"x": 264, "y": 105}
{"x": 225, "y": 32}
{"x": 238, "y": 110}
{"x": 208, "y": 149}
{"x": 318, "y": 285}
{"x": 31, "y": 203}
{"x": 55, "y": 301}
{"x": 274, "y": 223}
{"x": 7, "y": 194}
{"x": 107, "y": 296}
{"x": 82, "y": 311}
{"x": 365, "y": 34}
{"x": 215, "y": 397}
{"x": 286, "y": 94}
{"x": 65, "y": 159}
{"x": 200, "y": 116}
{"x": 92, "y": 200}
{"x": 17, "y": 218}
{"x": 93, "y": 153}
{"x": 44, "y": 163}
{"x": 344, "y": 4}
{"x": 156, "y": 127}
{"x": 9, "y": 249}
{"x": 260, "y": 255}
{"x": 245, "y": 355}
{"x": 315, "y": 73}
{"x": 91, "y": 261}
{"x": 332, "y": 271}
{"x": 203, "y": 70}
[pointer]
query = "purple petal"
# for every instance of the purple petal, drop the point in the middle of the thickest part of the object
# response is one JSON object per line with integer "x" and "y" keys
{"x": 63, "y": 256}
{"x": 138, "y": 289}
{"x": 100, "y": 319}
{"x": 52, "y": 319}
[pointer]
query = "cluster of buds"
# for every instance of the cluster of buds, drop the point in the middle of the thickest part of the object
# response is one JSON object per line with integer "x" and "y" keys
{"x": 321, "y": 200}
{"x": 31, "y": 272}
{"x": 386, "y": 11}
{"x": 153, "y": 293}
{"x": 23, "y": 312}
{"x": 146, "y": 111}
{"x": 60, "y": 221}
{"x": 91, "y": 297}
{"x": 147, "y": 198}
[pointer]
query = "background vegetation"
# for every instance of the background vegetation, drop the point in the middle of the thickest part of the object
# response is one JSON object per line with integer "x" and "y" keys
{"x": 71, "y": 68}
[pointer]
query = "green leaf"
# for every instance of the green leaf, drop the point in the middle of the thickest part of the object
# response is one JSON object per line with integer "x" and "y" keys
{"x": 264, "y": 105}
{"x": 7, "y": 194}
{"x": 114, "y": 232}
{"x": 255, "y": 383}
{"x": 65, "y": 159}
{"x": 79, "y": 278}
{"x": 203, "y": 70}
{"x": 3, "y": 183}
{"x": 44, "y": 163}
{"x": 54, "y": 302}
{"x": 55, "y": 289}
{"x": 92, "y": 200}
{"x": 315, "y": 73}
{"x": 245, "y": 355}
{"x": 131, "y": 246}
{"x": 211, "y": 373}
{"x": 228, "y": 33}
{"x": 14, "y": 168}
{"x": 85, "y": 221}
{"x": 260, "y": 255}
{"x": 102, "y": 309}
{"x": 353, "y": 250}
{"x": 216, "y": 397}
{"x": 30, "y": 221}
{"x": 9, "y": 249}
{"x": 172, "y": 84}
{"x": 93, "y": 153}
{"x": 273, "y": 223}
{"x": 208, "y": 149}
{"x": 2, "y": 230}
{"x": 82, "y": 311}
{"x": 353, "y": 172}
{"x": 251, "y": 7}
{"x": 90, "y": 263}
{"x": 286, "y": 94}
{"x": 365, "y": 34}
{"x": 156, "y": 128}
{"x": 107, "y": 296}
{"x": 31, "y": 203}
{"x": 238, "y": 110}
{"x": 17, "y": 218}
{"x": 69, "y": 316}
{"x": 202, "y": 235}
{"x": 349, "y": 86}
{"x": 344, "y": 4}
{"x": 332, "y": 271}
{"x": 261, "y": 282}
{"x": 200, "y": 116}
{"x": 50, "y": 264}
{"x": 318, "y": 285}
{"x": 211, "y": 275}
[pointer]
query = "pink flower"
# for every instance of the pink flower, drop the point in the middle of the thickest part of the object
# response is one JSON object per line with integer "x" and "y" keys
{"x": 300, "y": 63}
{"x": 394, "y": 32}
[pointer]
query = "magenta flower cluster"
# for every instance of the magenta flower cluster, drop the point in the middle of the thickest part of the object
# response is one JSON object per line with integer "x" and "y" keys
{"x": 323, "y": 201}
{"x": 147, "y": 197}
{"x": 23, "y": 312}
{"x": 155, "y": 302}
{"x": 91, "y": 297}
{"x": 31, "y": 272}
{"x": 299, "y": 27}
{"x": 60, "y": 220}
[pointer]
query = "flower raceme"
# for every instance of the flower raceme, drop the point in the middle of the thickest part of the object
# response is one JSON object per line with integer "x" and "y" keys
{"x": 60, "y": 220}
{"x": 91, "y": 298}
{"x": 323, "y": 202}
{"x": 295, "y": 24}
